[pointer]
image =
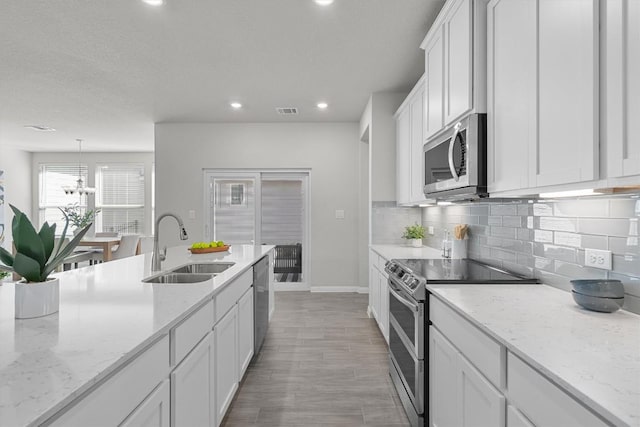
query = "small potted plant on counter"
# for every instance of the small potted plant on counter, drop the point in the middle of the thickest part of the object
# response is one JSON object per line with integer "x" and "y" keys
{"x": 415, "y": 234}
{"x": 37, "y": 256}
{"x": 78, "y": 219}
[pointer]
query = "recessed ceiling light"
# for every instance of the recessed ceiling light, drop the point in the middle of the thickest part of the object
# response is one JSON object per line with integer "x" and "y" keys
{"x": 236, "y": 105}
{"x": 322, "y": 105}
{"x": 323, "y": 2}
{"x": 154, "y": 2}
{"x": 40, "y": 128}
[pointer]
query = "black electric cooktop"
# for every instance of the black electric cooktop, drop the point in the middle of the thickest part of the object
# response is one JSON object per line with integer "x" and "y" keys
{"x": 460, "y": 271}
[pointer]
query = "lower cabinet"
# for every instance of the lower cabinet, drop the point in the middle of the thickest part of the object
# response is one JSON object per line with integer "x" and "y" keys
{"x": 154, "y": 411}
{"x": 226, "y": 360}
{"x": 473, "y": 384}
{"x": 378, "y": 294}
{"x": 462, "y": 397}
{"x": 245, "y": 332}
{"x": 193, "y": 387}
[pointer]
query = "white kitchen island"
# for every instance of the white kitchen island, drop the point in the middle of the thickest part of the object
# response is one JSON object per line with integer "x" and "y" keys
{"x": 107, "y": 318}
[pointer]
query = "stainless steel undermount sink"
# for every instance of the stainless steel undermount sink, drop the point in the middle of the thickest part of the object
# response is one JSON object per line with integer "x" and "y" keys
{"x": 178, "y": 278}
{"x": 204, "y": 268}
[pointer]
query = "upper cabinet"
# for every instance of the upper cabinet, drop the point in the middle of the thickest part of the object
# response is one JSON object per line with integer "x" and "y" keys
{"x": 542, "y": 93}
{"x": 410, "y": 128}
{"x": 621, "y": 88}
{"x": 455, "y": 65}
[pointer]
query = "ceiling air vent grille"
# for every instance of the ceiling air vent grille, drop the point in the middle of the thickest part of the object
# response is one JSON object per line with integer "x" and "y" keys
{"x": 287, "y": 111}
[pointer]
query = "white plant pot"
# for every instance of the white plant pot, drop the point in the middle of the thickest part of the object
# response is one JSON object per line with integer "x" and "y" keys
{"x": 416, "y": 243}
{"x": 37, "y": 299}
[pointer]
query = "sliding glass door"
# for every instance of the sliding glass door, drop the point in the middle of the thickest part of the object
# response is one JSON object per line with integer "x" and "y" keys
{"x": 262, "y": 207}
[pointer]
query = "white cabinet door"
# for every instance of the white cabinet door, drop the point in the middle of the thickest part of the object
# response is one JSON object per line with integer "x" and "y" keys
{"x": 374, "y": 287}
{"x": 416, "y": 178}
{"x": 443, "y": 381}
{"x": 621, "y": 66}
{"x": 459, "y": 394}
{"x": 511, "y": 118}
{"x": 154, "y": 411}
{"x": 226, "y": 361}
{"x": 481, "y": 404}
{"x": 383, "y": 319}
{"x": 245, "y": 331}
{"x": 568, "y": 142}
{"x": 459, "y": 57}
{"x": 403, "y": 156}
{"x": 434, "y": 96}
{"x": 193, "y": 387}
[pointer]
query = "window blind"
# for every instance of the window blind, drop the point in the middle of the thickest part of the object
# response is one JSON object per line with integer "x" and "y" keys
{"x": 120, "y": 197}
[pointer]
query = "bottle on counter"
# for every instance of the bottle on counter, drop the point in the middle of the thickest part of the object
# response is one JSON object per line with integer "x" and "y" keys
{"x": 446, "y": 245}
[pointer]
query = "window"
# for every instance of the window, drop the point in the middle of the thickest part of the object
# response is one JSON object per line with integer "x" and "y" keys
{"x": 52, "y": 178}
{"x": 120, "y": 198}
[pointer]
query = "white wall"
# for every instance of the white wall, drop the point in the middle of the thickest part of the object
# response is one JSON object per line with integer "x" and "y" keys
{"x": 16, "y": 165}
{"x": 382, "y": 145}
{"x": 91, "y": 160}
{"x": 329, "y": 150}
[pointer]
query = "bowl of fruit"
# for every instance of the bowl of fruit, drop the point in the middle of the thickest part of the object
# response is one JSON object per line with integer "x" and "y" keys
{"x": 206, "y": 248}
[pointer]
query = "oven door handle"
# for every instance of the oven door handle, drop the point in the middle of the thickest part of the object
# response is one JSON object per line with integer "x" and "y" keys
{"x": 452, "y": 143}
{"x": 403, "y": 300}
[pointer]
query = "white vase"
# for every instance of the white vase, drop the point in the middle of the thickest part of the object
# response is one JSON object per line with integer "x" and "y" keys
{"x": 37, "y": 299}
{"x": 416, "y": 243}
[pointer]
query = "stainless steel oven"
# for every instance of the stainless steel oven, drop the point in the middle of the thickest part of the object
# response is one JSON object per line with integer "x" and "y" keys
{"x": 455, "y": 162}
{"x": 407, "y": 342}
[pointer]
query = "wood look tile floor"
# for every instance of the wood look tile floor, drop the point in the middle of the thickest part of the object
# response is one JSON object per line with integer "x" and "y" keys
{"x": 323, "y": 363}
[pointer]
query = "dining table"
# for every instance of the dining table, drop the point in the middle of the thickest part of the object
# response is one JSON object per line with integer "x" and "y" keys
{"x": 105, "y": 243}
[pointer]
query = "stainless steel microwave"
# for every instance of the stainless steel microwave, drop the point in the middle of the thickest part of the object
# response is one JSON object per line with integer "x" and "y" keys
{"x": 455, "y": 162}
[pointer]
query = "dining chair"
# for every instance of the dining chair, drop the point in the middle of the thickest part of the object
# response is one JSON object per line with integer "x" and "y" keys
{"x": 127, "y": 247}
{"x": 146, "y": 244}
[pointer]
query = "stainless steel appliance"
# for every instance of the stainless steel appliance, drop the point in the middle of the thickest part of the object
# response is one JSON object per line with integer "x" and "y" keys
{"x": 260, "y": 303}
{"x": 455, "y": 162}
{"x": 409, "y": 320}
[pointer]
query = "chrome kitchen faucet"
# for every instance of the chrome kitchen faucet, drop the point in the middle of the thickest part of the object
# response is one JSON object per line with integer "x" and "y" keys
{"x": 157, "y": 258}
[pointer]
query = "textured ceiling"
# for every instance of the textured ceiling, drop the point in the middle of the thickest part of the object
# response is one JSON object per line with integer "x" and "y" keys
{"x": 107, "y": 70}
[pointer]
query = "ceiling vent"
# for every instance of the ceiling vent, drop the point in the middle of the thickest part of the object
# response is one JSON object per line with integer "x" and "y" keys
{"x": 287, "y": 111}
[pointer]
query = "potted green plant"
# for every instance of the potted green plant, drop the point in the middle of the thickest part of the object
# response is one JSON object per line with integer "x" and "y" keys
{"x": 37, "y": 256}
{"x": 77, "y": 218}
{"x": 415, "y": 234}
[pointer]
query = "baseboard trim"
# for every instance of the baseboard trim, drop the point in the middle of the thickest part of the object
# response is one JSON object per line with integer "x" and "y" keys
{"x": 348, "y": 289}
{"x": 284, "y": 286}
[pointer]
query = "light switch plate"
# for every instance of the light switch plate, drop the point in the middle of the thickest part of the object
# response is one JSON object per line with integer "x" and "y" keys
{"x": 339, "y": 214}
{"x": 192, "y": 214}
{"x": 597, "y": 258}
{"x": 431, "y": 230}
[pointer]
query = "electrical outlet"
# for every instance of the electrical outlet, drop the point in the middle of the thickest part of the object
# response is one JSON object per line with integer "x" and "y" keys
{"x": 431, "y": 232}
{"x": 192, "y": 214}
{"x": 597, "y": 258}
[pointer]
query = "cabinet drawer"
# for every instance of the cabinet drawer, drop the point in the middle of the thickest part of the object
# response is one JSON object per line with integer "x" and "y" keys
{"x": 483, "y": 352}
{"x": 543, "y": 402}
{"x": 187, "y": 334}
{"x": 114, "y": 399}
{"x": 232, "y": 293}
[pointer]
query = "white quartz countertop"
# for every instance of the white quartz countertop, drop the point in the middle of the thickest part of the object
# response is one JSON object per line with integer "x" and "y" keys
{"x": 107, "y": 315}
{"x": 390, "y": 252}
{"x": 594, "y": 356}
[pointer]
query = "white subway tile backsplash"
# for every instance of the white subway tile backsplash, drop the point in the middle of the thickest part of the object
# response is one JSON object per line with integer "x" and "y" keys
{"x": 548, "y": 238}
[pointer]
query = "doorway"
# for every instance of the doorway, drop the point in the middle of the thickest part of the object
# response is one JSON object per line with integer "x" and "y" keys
{"x": 263, "y": 208}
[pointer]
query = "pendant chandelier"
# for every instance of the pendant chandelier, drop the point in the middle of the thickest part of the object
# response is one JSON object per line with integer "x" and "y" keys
{"x": 80, "y": 188}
